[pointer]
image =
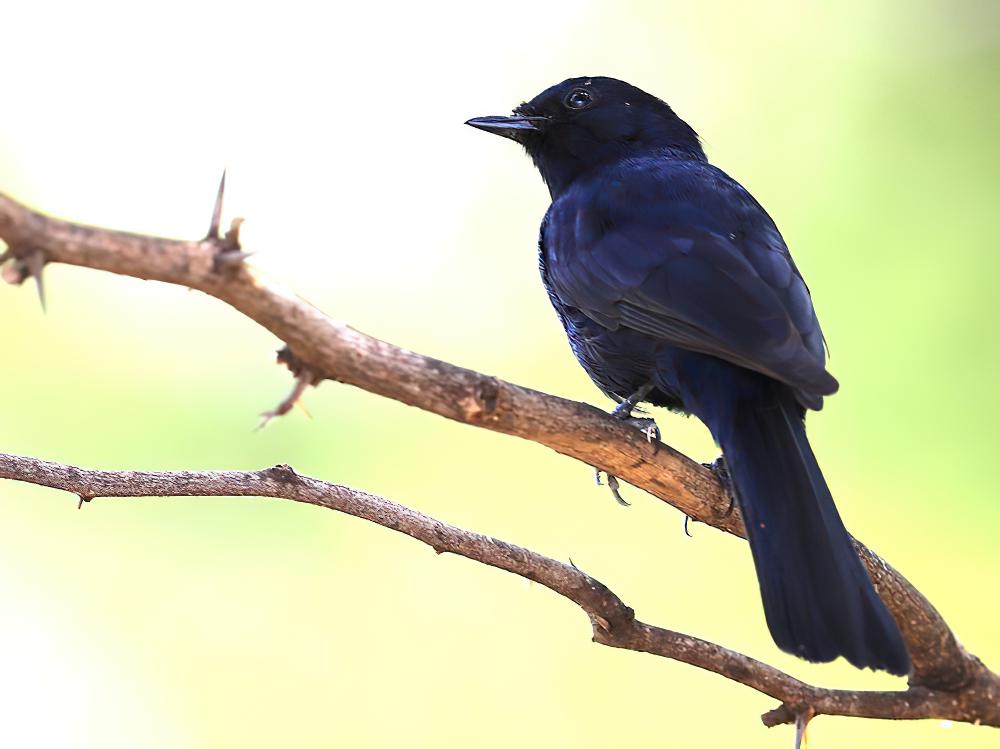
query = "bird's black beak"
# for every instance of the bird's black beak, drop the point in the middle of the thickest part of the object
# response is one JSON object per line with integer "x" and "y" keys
{"x": 515, "y": 127}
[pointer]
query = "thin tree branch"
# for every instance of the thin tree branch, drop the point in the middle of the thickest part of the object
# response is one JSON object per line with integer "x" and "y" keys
{"x": 614, "y": 623}
{"x": 331, "y": 350}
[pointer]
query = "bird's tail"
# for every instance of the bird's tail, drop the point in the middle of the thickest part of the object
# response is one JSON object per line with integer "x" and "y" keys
{"x": 818, "y": 598}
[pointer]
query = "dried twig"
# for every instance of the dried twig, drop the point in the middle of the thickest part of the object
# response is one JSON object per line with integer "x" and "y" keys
{"x": 946, "y": 682}
{"x": 614, "y": 623}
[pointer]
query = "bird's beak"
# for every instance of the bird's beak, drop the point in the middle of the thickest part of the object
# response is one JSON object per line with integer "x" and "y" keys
{"x": 515, "y": 127}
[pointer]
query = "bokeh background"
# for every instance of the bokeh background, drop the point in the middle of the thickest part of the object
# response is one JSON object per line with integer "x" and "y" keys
{"x": 868, "y": 129}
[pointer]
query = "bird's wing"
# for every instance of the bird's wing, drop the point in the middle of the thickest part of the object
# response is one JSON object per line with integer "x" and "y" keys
{"x": 698, "y": 274}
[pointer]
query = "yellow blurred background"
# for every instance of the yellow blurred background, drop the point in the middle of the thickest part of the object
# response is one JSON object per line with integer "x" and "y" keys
{"x": 868, "y": 130}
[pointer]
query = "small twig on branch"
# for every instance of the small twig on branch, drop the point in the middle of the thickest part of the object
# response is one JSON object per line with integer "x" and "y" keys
{"x": 302, "y": 381}
{"x": 333, "y": 350}
{"x": 614, "y": 623}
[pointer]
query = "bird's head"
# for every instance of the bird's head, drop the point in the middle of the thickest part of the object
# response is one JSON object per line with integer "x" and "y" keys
{"x": 581, "y": 123}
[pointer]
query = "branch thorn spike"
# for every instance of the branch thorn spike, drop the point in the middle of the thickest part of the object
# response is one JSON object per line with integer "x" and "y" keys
{"x": 213, "y": 228}
{"x": 35, "y": 263}
{"x": 230, "y": 258}
{"x": 802, "y": 719}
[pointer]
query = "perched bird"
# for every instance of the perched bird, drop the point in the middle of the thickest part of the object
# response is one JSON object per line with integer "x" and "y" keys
{"x": 675, "y": 288}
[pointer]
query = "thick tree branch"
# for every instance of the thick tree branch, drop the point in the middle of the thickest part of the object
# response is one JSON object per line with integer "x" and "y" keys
{"x": 320, "y": 348}
{"x": 614, "y": 623}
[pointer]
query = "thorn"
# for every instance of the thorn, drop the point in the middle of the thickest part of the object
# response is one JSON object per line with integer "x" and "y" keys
{"x": 573, "y": 564}
{"x": 801, "y": 722}
{"x": 229, "y": 259}
{"x": 83, "y": 498}
{"x": 213, "y": 229}
{"x": 228, "y": 254}
{"x": 687, "y": 520}
{"x": 303, "y": 380}
{"x": 34, "y": 263}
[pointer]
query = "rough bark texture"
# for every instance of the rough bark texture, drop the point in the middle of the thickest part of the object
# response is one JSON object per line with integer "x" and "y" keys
{"x": 947, "y": 682}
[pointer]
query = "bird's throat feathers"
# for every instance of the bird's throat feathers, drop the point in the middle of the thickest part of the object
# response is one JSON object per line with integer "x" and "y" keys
{"x": 560, "y": 168}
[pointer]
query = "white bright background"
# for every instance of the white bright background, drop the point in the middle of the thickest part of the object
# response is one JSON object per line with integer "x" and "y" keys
{"x": 868, "y": 129}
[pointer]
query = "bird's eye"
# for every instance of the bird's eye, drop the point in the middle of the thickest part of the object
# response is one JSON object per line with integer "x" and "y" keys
{"x": 579, "y": 98}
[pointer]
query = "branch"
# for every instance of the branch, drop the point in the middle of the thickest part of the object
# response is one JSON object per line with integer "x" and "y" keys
{"x": 614, "y": 623}
{"x": 320, "y": 348}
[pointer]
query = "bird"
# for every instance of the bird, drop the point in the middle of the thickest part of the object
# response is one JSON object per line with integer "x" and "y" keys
{"x": 676, "y": 289}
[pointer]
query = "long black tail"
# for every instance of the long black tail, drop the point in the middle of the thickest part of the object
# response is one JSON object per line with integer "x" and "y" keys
{"x": 818, "y": 598}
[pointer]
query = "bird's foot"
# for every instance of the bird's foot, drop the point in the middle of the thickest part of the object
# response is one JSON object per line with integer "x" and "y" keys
{"x": 645, "y": 425}
{"x": 229, "y": 255}
{"x": 623, "y": 412}
{"x": 721, "y": 472}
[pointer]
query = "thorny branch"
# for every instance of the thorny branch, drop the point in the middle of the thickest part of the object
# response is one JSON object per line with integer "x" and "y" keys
{"x": 947, "y": 682}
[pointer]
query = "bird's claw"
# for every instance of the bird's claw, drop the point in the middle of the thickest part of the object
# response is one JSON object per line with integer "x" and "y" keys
{"x": 645, "y": 425}
{"x": 623, "y": 412}
{"x": 613, "y": 485}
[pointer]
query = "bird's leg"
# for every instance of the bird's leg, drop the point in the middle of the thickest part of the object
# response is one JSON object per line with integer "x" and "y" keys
{"x": 624, "y": 409}
{"x": 623, "y": 412}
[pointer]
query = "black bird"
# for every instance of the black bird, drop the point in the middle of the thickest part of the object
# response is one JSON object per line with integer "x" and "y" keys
{"x": 675, "y": 288}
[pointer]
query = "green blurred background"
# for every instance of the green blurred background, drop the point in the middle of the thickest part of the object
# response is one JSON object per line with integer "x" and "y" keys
{"x": 869, "y": 131}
